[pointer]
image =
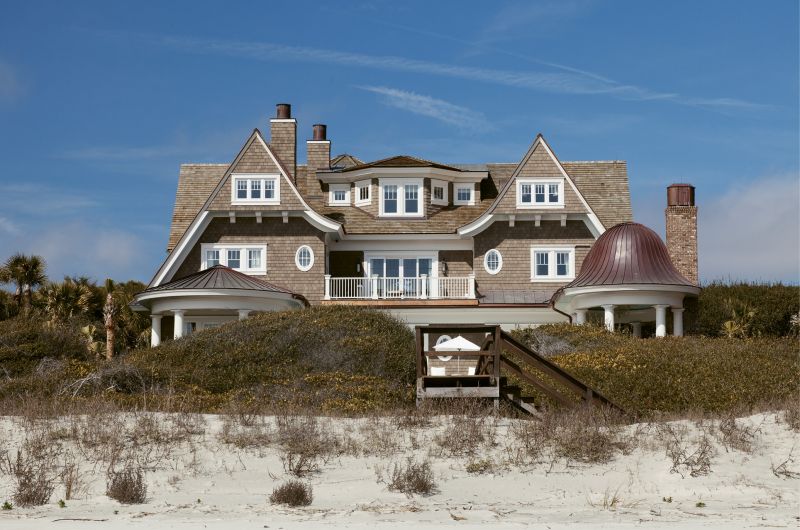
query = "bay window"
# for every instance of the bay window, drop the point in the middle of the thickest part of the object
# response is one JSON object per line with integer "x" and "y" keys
{"x": 400, "y": 197}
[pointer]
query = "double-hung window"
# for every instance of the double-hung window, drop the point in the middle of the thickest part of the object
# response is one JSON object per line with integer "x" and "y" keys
{"x": 339, "y": 194}
{"x": 552, "y": 263}
{"x": 464, "y": 194}
{"x": 243, "y": 257}
{"x": 254, "y": 189}
{"x": 540, "y": 193}
{"x": 401, "y": 197}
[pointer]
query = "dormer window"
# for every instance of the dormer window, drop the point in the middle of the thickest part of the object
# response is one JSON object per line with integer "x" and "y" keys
{"x": 400, "y": 197}
{"x": 464, "y": 194}
{"x": 339, "y": 194}
{"x": 363, "y": 193}
{"x": 540, "y": 193}
{"x": 254, "y": 189}
{"x": 439, "y": 192}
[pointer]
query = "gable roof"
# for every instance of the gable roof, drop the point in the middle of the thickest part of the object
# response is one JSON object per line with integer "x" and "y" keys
{"x": 344, "y": 161}
{"x": 195, "y": 184}
{"x": 401, "y": 161}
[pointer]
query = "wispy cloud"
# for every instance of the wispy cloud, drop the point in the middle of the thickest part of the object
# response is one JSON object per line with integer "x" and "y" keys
{"x": 118, "y": 153}
{"x": 11, "y": 87}
{"x": 510, "y": 19}
{"x": 41, "y": 200}
{"x": 8, "y": 227}
{"x": 431, "y": 107}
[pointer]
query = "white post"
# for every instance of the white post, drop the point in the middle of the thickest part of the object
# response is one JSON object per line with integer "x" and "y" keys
{"x": 661, "y": 320}
{"x": 177, "y": 332}
{"x": 471, "y": 286}
{"x": 243, "y": 313}
{"x": 609, "y": 317}
{"x": 637, "y": 329}
{"x": 155, "y": 330}
{"x": 327, "y": 287}
{"x": 423, "y": 288}
{"x": 580, "y": 316}
{"x": 374, "y": 286}
{"x": 677, "y": 321}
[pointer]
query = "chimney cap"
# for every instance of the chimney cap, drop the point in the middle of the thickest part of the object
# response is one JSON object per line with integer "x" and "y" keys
{"x": 283, "y": 111}
{"x": 680, "y": 194}
{"x": 320, "y": 131}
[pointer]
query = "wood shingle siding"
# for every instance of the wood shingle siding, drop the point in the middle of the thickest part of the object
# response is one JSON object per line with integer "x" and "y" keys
{"x": 282, "y": 240}
{"x": 195, "y": 184}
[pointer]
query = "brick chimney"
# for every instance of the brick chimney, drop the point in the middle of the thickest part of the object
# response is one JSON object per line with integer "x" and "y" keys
{"x": 318, "y": 150}
{"x": 681, "y": 216}
{"x": 283, "y": 138}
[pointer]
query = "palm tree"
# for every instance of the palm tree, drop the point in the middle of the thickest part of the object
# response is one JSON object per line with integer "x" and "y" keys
{"x": 110, "y": 312}
{"x": 27, "y": 273}
{"x": 66, "y": 299}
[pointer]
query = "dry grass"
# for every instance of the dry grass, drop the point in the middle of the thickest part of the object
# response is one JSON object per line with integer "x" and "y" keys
{"x": 689, "y": 458}
{"x": 411, "y": 477}
{"x": 127, "y": 486}
{"x": 292, "y": 493}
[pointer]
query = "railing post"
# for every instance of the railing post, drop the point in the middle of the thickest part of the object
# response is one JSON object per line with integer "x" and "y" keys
{"x": 471, "y": 286}
{"x": 327, "y": 287}
{"x": 374, "y": 286}
{"x": 423, "y": 288}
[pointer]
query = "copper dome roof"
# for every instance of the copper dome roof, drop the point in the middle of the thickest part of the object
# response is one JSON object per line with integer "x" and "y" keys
{"x": 628, "y": 253}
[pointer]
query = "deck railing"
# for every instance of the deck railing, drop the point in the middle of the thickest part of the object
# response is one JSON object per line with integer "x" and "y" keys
{"x": 414, "y": 288}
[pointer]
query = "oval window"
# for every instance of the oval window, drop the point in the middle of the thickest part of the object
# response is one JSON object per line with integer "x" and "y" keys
{"x": 440, "y": 340}
{"x": 304, "y": 258}
{"x": 493, "y": 261}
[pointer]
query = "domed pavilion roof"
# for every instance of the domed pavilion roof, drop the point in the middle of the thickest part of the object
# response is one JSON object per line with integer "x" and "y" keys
{"x": 628, "y": 254}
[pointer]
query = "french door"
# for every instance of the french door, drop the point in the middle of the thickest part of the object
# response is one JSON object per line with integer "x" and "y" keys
{"x": 400, "y": 277}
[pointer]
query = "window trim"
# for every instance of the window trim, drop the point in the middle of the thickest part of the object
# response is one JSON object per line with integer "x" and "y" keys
{"x": 263, "y": 177}
{"x": 297, "y": 258}
{"x": 533, "y": 205}
{"x": 244, "y": 257}
{"x": 461, "y": 202}
{"x": 401, "y": 197}
{"x": 486, "y": 261}
{"x": 333, "y": 188}
{"x": 444, "y": 201}
{"x": 552, "y": 263}
{"x": 359, "y": 186}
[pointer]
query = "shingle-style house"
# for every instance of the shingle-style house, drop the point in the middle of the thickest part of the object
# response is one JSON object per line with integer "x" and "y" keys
{"x": 517, "y": 244}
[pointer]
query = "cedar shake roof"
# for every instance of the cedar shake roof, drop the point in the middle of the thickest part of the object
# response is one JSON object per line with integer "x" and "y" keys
{"x": 628, "y": 253}
{"x": 344, "y": 161}
{"x": 604, "y": 185}
{"x": 401, "y": 161}
{"x": 219, "y": 277}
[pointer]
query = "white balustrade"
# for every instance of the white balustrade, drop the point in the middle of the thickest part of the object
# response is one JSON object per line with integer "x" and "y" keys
{"x": 415, "y": 288}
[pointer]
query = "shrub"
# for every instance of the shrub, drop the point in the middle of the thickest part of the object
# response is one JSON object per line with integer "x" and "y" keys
{"x": 28, "y": 341}
{"x": 127, "y": 486}
{"x": 411, "y": 478}
{"x": 292, "y": 493}
{"x": 33, "y": 476}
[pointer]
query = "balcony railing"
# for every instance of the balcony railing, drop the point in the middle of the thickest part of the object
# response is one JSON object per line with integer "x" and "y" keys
{"x": 414, "y": 288}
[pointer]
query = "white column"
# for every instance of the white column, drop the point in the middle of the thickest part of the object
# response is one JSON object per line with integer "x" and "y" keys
{"x": 471, "y": 293}
{"x": 327, "y": 287}
{"x": 423, "y": 288}
{"x": 580, "y": 316}
{"x": 677, "y": 321}
{"x": 661, "y": 320}
{"x": 374, "y": 286}
{"x": 243, "y": 313}
{"x": 637, "y": 329}
{"x": 609, "y": 317}
{"x": 177, "y": 331}
{"x": 155, "y": 330}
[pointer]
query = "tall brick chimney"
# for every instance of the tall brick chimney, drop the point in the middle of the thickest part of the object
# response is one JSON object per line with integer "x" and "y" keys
{"x": 681, "y": 216}
{"x": 283, "y": 138}
{"x": 318, "y": 150}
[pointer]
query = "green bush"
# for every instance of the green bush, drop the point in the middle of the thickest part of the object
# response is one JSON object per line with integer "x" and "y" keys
{"x": 756, "y": 310}
{"x": 26, "y": 342}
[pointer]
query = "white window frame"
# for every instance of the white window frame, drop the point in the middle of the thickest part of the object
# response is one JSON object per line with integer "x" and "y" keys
{"x": 263, "y": 178}
{"x": 539, "y": 205}
{"x": 401, "y": 197}
{"x": 440, "y": 184}
{"x": 363, "y": 184}
{"x": 461, "y": 202}
{"x": 551, "y": 263}
{"x": 499, "y": 261}
{"x": 244, "y": 257}
{"x": 297, "y": 258}
{"x": 333, "y": 188}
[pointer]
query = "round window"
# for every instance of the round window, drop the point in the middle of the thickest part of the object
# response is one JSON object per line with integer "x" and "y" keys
{"x": 440, "y": 340}
{"x": 493, "y": 261}
{"x": 304, "y": 258}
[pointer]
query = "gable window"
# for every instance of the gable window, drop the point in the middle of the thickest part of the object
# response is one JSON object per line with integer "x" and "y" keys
{"x": 339, "y": 194}
{"x": 540, "y": 193}
{"x": 439, "y": 192}
{"x": 363, "y": 192}
{"x": 493, "y": 261}
{"x": 552, "y": 263}
{"x": 400, "y": 197}
{"x": 254, "y": 189}
{"x": 243, "y": 257}
{"x": 304, "y": 258}
{"x": 464, "y": 194}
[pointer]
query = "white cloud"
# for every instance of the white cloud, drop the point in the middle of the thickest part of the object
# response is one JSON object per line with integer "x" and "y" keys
{"x": 114, "y": 153}
{"x": 39, "y": 200}
{"x": 566, "y": 80}
{"x": 438, "y": 109}
{"x": 10, "y": 85}
{"x": 8, "y": 227}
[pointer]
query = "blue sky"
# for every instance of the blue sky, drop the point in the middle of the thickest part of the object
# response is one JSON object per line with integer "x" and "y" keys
{"x": 101, "y": 101}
